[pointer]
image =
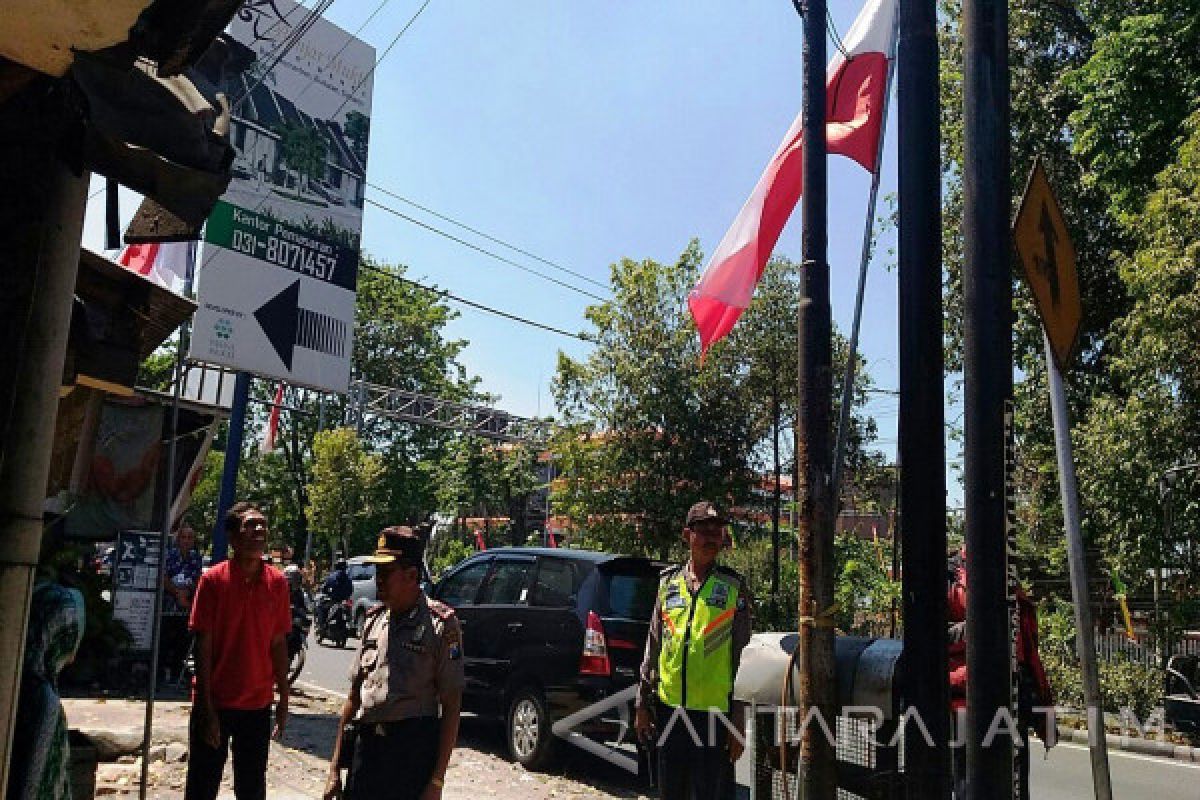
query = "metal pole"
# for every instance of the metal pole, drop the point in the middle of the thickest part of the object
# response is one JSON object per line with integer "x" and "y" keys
{"x": 987, "y": 288}
{"x": 233, "y": 457}
{"x": 168, "y": 522}
{"x": 41, "y": 223}
{"x": 922, "y": 450}
{"x": 816, "y": 687}
{"x": 1084, "y": 644}
{"x": 839, "y": 448}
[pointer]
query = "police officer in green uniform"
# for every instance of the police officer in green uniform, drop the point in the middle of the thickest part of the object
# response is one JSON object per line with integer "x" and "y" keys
{"x": 685, "y": 702}
{"x": 405, "y": 686}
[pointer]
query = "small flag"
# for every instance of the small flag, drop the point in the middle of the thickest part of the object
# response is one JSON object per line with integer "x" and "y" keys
{"x": 165, "y": 263}
{"x": 479, "y": 543}
{"x": 1119, "y": 593}
{"x": 268, "y": 442}
{"x": 856, "y": 86}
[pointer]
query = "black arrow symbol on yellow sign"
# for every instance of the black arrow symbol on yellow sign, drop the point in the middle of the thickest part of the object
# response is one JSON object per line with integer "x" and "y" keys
{"x": 1049, "y": 264}
{"x": 289, "y": 326}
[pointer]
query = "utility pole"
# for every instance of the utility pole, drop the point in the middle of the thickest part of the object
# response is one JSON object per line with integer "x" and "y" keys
{"x": 987, "y": 288}
{"x": 816, "y": 689}
{"x": 41, "y": 224}
{"x": 922, "y": 450}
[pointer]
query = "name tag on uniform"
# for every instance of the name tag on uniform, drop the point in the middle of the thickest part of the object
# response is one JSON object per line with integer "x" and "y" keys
{"x": 673, "y": 602}
{"x": 720, "y": 595}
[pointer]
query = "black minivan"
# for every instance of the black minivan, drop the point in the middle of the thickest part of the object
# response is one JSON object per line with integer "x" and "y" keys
{"x": 546, "y": 632}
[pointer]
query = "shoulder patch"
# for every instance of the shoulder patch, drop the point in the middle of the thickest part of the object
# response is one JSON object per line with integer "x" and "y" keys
{"x": 376, "y": 609}
{"x": 440, "y": 609}
{"x": 671, "y": 571}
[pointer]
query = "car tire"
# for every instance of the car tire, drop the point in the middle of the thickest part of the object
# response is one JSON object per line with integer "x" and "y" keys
{"x": 527, "y": 729}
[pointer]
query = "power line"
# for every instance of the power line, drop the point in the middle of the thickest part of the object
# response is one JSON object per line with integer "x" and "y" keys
{"x": 379, "y": 60}
{"x": 479, "y": 306}
{"x": 350, "y": 38}
{"x": 484, "y": 251}
{"x": 489, "y": 237}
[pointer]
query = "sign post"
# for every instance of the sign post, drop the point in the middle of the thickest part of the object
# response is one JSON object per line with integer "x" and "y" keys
{"x": 1048, "y": 261}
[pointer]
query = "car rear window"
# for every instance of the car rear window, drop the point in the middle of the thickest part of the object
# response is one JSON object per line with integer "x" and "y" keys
{"x": 628, "y": 591}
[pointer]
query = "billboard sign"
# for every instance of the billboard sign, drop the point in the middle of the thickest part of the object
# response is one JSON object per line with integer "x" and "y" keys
{"x": 279, "y": 268}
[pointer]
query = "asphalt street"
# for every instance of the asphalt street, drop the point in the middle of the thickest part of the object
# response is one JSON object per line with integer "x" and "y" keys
{"x": 1064, "y": 775}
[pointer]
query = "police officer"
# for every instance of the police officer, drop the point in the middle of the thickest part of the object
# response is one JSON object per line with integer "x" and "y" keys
{"x": 409, "y": 666}
{"x": 700, "y": 625}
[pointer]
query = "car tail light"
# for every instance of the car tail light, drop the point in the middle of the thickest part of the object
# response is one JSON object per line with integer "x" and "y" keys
{"x": 594, "y": 660}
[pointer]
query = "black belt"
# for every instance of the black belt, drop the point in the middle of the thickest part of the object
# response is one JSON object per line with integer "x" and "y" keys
{"x": 397, "y": 727}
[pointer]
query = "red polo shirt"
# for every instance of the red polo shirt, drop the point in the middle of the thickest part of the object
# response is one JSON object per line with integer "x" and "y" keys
{"x": 241, "y": 615}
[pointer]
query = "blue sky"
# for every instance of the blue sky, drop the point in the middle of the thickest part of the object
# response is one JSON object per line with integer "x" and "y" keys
{"x": 584, "y": 133}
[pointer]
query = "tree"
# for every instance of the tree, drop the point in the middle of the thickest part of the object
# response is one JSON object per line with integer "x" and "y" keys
{"x": 649, "y": 428}
{"x": 303, "y": 149}
{"x": 358, "y": 131}
{"x": 344, "y": 491}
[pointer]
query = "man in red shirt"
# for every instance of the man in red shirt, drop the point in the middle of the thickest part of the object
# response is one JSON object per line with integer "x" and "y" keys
{"x": 241, "y": 617}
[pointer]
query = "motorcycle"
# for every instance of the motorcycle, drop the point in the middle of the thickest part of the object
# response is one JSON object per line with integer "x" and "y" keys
{"x": 333, "y": 620}
{"x": 297, "y": 640}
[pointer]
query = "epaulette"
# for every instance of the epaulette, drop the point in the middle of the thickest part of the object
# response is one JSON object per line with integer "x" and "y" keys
{"x": 376, "y": 609}
{"x": 440, "y": 609}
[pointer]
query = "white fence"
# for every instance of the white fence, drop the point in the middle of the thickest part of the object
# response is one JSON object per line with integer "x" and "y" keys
{"x": 1115, "y": 645}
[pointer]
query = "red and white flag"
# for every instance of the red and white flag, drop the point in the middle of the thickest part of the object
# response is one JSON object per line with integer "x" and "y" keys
{"x": 856, "y": 87}
{"x": 268, "y": 442}
{"x": 165, "y": 263}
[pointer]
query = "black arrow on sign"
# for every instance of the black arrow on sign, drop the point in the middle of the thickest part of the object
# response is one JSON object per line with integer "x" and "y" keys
{"x": 1049, "y": 264}
{"x": 288, "y": 326}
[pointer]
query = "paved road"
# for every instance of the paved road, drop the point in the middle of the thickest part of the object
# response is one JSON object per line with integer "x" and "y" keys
{"x": 1065, "y": 775}
{"x": 328, "y": 667}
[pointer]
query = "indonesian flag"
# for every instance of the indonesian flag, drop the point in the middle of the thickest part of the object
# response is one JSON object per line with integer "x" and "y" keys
{"x": 268, "y": 442}
{"x": 479, "y": 542}
{"x": 856, "y": 89}
{"x": 165, "y": 263}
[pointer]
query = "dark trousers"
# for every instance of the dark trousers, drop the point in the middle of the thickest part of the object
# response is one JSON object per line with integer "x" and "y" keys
{"x": 248, "y": 734}
{"x": 393, "y": 761}
{"x": 175, "y": 642}
{"x": 958, "y": 760}
{"x": 687, "y": 770}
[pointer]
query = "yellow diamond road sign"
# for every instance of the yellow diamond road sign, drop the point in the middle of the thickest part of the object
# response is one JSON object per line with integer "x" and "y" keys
{"x": 1048, "y": 261}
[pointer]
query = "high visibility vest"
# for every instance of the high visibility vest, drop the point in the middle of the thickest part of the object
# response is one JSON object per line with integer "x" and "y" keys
{"x": 695, "y": 661}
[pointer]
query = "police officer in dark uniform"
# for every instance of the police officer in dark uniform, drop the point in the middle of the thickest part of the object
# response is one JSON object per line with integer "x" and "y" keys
{"x": 700, "y": 626}
{"x": 405, "y": 686}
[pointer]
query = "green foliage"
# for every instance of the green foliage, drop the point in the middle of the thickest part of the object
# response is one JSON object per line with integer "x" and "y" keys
{"x": 752, "y": 558}
{"x": 303, "y": 149}
{"x": 863, "y": 593}
{"x": 358, "y": 130}
{"x": 649, "y": 428}
{"x": 1124, "y": 684}
{"x": 344, "y": 491}
{"x": 451, "y": 552}
{"x": 483, "y": 479}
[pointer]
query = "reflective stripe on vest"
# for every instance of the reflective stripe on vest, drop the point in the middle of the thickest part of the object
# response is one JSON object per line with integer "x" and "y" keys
{"x": 695, "y": 662}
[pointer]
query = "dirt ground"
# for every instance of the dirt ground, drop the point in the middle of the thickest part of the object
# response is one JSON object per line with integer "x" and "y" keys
{"x": 298, "y": 766}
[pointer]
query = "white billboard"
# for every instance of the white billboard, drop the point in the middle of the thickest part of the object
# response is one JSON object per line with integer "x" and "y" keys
{"x": 279, "y": 267}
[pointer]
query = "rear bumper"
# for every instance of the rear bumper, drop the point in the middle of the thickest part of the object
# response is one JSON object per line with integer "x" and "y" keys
{"x": 611, "y": 725}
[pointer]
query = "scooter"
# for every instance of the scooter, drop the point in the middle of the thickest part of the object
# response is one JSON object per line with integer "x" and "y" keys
{"x": 334, "y": 623}
{"x": 297, "y": 640}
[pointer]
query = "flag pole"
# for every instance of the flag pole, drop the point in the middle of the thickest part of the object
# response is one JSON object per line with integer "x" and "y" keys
{"x": 839, "y": 448}
{"x": 817, "y": 778}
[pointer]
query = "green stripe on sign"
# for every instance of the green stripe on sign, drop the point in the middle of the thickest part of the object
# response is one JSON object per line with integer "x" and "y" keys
{"x": 219, "y": 230}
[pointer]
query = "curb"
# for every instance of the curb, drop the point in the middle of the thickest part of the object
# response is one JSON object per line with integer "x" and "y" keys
{"x": 1135, "y": 744}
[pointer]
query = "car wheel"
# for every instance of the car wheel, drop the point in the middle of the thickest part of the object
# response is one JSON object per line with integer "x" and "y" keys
{"x": 530, "y": 740}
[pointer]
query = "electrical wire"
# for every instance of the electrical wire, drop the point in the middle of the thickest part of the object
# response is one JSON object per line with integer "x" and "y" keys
{"x": 487, "y": 236}
{"x": 478, "y": 306}
{"x": 379, "y": 60}
{"x": 350, "y": 38}
{"x": 484, "y": 251}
